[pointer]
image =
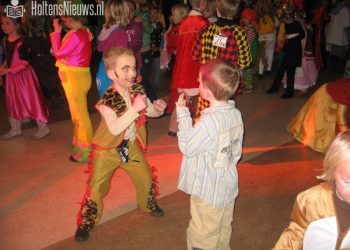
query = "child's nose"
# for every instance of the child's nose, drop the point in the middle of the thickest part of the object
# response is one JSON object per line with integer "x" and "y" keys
{"x": 133, "y": 72}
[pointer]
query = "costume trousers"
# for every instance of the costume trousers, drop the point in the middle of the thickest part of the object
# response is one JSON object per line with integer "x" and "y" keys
{"x": 145, "y": 72}
{"x": 76, "y": 84}
{"x": 103, "y": 164}
{"x": 266, "y": 55}
{"x": 210, "y": 227}
{"x": 285, "y": 67}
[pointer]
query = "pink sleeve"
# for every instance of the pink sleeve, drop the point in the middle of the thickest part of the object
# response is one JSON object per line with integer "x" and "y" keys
{"x": 61, "y": 50}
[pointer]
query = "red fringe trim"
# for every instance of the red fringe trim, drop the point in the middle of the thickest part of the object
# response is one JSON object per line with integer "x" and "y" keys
{"x": 141, "y": 120}
{"x": 155, "y": 181}
{"x": 88, "y": 186}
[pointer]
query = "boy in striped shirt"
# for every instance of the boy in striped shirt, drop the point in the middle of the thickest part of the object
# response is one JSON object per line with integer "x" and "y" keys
{"x": 211, "y": 150}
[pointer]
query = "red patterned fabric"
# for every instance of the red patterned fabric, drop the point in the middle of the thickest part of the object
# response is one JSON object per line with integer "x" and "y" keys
{"x": 339, "y": 90}
{"x": 186, "y": 70}
{"x": 318, "y": 16}
{"x": 299, "y": 4}
{"x": 87, "y": 194}
{"x": 155, "y": 181}
{"x": 171, "y": 37}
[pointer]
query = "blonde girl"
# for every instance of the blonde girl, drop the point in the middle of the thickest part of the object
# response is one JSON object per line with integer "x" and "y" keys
{"x": 320, "y": 217}
{"x": 113, "y": 34}
{"x": 73, "y": 55}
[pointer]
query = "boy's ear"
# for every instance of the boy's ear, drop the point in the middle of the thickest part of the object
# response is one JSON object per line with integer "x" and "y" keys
{"x": 111, "y": 74}
{"x": 209, "y": 94}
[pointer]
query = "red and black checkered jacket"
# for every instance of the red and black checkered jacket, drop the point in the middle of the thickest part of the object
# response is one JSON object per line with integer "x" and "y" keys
{"x": 236, "y": 50}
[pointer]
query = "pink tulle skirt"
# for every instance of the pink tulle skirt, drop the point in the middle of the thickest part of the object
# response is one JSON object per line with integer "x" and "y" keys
{"x": 306, "y": 75}
{"x": 23, "y": 96}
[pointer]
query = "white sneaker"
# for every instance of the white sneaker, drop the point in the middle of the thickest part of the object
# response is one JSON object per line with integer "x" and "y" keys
{"x": 11, "y": 134}
{"x": 42, "y": 132}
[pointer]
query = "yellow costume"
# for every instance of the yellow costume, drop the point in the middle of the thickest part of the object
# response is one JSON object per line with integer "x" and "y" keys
{"x": 73, "y": 55}
{"x": 317, "y": 122}
{"x": 105, "y": 158}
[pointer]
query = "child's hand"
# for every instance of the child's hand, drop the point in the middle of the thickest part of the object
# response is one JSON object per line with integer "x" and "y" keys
{"x": 181, "y": 102}
{"x": 159, "y": 105}
{"x": 138, "y": 19}
{"x": 4, "y": 71}
{"x": 57, "y": 27}
{"x": 139, "y": 79}
{"x": 140, "y": 103}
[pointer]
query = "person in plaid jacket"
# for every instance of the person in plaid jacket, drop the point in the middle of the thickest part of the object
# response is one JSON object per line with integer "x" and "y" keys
{"x": 223, "y": 39}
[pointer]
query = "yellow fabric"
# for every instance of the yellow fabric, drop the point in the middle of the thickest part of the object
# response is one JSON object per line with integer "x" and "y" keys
{"x": 76, "y": 84}
{"x": 210, "y": 227}
{"x": 105, "y": 163}
{"x": 315, "y": 124}
{"x": 281, "y": 35}
{"x": 266, "y": 25}
{"x": 310, "y": 205}
{"x": 281, "y": 32}
{"x": 103, "y": 137}
{"x": 64, "y": 67}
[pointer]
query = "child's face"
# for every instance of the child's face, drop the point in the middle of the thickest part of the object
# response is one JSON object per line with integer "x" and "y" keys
{"x": 67, "y": 21}
{"x": 8, "y": 26}
{"x": 154, "y": 16}
{"x": 245, "y": 21}
{"x": 175, "y": 16}
{"x": 125, "y": 71}
{"x": 342, "y": 181}
{"x": 132, "y": 11}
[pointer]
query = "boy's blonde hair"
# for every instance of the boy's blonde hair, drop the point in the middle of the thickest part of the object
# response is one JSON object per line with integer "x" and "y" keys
{"x": 221, "y": 78}
{"x": 211, "y": 8}
{"x": 227, "y": 8}
{"x": 116, "y": 12}
{"x": 111, "y": 56}
{"x": 337, "y": 154}
{"x": 195, "y": 3}
{"x": 179, "y": 11}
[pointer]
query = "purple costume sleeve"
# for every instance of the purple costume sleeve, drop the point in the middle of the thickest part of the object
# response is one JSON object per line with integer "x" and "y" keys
{"x": 136, "y": 41}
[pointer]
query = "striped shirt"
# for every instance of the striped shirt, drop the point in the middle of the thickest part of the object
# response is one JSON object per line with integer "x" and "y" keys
{"x": 211, "y": 151}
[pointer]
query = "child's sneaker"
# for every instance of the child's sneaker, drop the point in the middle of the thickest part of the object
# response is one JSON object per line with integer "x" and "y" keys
{"x": 81, "y": 234}
{"x": 157, "y": 212}
{"x": 11, "y": 134}
{"x": 42, "y": 132}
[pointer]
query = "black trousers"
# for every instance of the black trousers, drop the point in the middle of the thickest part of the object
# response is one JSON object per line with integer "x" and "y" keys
{"x": 145, "y": 72}
{"x": 285, "y": 66}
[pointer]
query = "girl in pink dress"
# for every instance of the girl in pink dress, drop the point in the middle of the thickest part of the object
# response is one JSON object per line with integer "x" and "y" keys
{"x": 23, "y": 95}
